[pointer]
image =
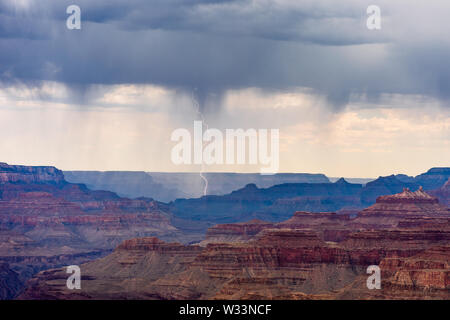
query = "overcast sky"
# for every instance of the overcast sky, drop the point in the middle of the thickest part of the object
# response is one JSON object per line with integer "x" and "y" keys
{"x": 348, "y": 101}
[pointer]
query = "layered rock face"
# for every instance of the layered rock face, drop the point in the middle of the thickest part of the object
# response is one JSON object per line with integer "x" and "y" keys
{"x": 423, "y": 276}
{"x": 145, "y": 268}
{"x": 276, "y": 203}
{"x": 413, "y": 209}
{"x": 309, "y": 256}
{"x": 74, "y": 216}
{"x": 47, "y": 222}
{"x": 443, "y": 193}
{"x": 235, "y": 232}
{"x": 41, "y": 209}
{"x": 428, "y": 270}
{"x": 27, "y": 174}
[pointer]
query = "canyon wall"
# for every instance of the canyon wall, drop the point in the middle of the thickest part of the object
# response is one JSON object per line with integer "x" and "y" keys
{"x": 47, "y": 222}
{"x": 309, "y": 256}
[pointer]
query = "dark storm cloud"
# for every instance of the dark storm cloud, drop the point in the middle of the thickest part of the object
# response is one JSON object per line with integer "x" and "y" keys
{"x": 212, "y": 46}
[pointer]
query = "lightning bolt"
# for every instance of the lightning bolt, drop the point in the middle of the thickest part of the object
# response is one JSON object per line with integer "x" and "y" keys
{"x": 202, "y": 170}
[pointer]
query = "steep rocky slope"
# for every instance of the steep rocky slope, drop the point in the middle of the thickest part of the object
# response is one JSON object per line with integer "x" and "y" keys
{"x": 405, "y": 209}
{"x": 28, "y": 174}
{"x": 53, "y": 211}
{"x": 423, "y": 276}
{"x": 47, "y": 222}
{"x": 309, "y": 256}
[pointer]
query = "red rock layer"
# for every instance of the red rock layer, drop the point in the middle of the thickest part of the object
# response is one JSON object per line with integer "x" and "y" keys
{"x": 47, "y": 222}
{"x": 235, "y": 232}
{"x": 443, "y": 193}
{"x": 310, "y": 256}
{"x": 28, "y": 174}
